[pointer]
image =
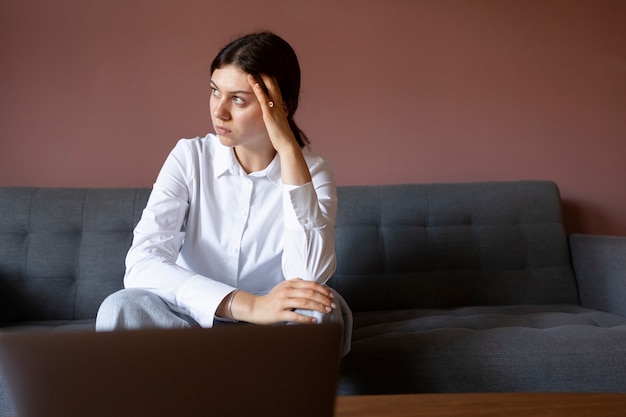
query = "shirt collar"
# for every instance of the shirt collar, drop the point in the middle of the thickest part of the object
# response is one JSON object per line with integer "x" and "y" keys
{"x": 273, "y": 170}
{"x": 227, "y": 163}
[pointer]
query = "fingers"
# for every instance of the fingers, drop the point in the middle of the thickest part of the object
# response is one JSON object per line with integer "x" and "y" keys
{"x": 288, "y": 300}
{"x": 261, "y": 95}
{"x": 307, "y": 295}
{"x": 296, "y": 294}
{"x": 269, "y": 97}
{"x": 309, "y": 289}
{"x": 306, "y": 300}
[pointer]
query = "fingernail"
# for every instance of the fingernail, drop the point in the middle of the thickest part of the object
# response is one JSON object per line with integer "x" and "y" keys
{"x": 333, "y": 305}
{"x": 329, "y": 309}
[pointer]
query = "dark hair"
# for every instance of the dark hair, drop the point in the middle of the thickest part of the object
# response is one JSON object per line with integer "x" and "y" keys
{"x": 267, "y": 53}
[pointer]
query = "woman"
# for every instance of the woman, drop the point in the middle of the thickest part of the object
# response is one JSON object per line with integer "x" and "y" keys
{"x": 240, "y": 224}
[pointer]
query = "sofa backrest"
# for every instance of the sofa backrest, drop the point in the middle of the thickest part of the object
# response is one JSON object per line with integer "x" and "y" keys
{"x": 62, "y": 251}
{"x": 447, "y": 245}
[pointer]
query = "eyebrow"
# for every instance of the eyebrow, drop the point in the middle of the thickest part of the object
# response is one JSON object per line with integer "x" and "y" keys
{"x": 238, "y": 92}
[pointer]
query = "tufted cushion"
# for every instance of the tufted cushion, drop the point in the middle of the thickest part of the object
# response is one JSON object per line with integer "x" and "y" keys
{"x": 62, "y": 250}
{"x": 510, "y": 348}
{"x": 448, "y": 245}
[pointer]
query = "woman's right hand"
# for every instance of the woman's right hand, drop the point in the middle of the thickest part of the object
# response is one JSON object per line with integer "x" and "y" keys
{"x": 279, "y": 304}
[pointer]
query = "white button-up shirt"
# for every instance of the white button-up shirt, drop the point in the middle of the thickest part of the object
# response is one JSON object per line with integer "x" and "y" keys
{"x": 209, "y": 228}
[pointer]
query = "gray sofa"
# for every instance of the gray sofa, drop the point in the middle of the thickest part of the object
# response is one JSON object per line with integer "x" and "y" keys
{"x": 454, "y": 287}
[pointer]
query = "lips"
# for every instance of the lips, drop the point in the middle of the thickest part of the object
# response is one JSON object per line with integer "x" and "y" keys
{"x": 222, "y": 130}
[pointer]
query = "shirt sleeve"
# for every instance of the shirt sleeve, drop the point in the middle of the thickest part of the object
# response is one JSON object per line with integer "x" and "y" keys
{"x": 158, "y": 237}
{"x": 310, "y": 213}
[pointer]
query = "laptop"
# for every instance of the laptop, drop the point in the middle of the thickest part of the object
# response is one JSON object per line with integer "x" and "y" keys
{"x": 239, "y": 370}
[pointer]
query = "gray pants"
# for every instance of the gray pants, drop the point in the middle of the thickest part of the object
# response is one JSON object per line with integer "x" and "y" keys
{"x": 140, "y": 309}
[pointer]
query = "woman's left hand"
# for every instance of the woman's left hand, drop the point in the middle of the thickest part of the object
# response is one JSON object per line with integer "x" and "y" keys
{"x": 274, "y": 112}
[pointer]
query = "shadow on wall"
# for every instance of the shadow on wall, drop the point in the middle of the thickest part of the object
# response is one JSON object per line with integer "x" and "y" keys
{"x": 580, "y": 216}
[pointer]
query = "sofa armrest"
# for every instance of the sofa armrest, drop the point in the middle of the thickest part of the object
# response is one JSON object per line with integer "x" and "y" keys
{"x": 600, "y": 267}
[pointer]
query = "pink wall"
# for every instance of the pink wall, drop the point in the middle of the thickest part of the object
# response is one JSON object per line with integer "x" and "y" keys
{"x": 95, "y": 93}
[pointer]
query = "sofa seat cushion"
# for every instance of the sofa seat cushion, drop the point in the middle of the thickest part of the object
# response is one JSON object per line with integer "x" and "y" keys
{"x": 375, "y": 323}
{"x": 51, "y": 325}
{"x": 498, "y": 348}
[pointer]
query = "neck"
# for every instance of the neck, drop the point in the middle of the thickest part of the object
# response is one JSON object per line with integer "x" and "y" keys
{"x": 253, "y": 161}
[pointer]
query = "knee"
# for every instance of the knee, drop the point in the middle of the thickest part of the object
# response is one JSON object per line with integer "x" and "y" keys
{"x": 123, "y": 299}
{"x": 335, "y": 316}
{"x": 121, "y": 304}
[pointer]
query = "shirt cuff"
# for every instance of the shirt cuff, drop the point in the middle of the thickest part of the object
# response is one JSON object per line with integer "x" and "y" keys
{"x": 200, "y": 297}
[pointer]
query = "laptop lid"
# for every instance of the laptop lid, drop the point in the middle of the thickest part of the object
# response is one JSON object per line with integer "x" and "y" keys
{"x": 240, "y": 370}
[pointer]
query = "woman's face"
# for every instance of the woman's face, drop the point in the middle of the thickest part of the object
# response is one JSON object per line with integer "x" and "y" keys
{"x": 235, "y": 111}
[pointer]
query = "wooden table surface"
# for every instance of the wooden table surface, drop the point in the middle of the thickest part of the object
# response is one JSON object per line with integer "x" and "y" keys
{"x": 484, "y": 405}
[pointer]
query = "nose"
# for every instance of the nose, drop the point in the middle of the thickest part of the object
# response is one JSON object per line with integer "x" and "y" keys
{"x": 219, "y": 109}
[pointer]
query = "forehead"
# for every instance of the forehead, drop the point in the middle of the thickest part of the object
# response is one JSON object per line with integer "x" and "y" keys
{"x": 231, "y": 78}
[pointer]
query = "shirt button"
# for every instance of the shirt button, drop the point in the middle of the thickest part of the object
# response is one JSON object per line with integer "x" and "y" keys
{"x": 235, "y": 250}
{"x": 243, "y": 213}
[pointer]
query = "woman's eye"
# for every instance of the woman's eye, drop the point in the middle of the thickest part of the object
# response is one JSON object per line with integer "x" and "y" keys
{"x": 238, "y": 100}
{"x": 215, "y": 92}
